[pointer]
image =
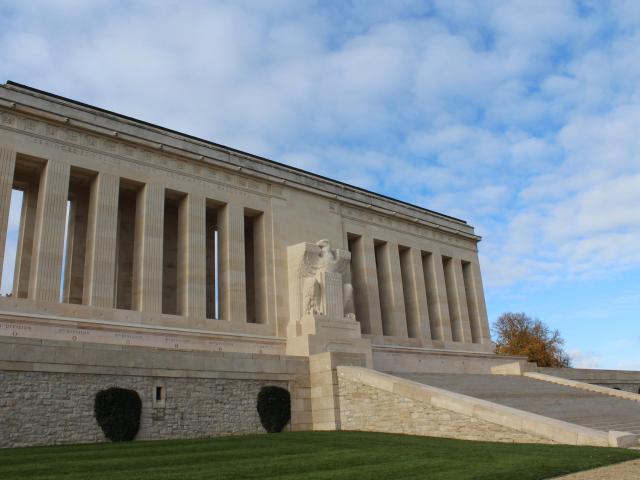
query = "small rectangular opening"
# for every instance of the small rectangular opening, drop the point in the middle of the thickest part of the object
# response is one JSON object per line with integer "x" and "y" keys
{"x": 159, "y": 394}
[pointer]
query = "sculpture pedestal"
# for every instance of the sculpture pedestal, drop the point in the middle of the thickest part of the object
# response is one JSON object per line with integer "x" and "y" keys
{"x": 319, "y": 334}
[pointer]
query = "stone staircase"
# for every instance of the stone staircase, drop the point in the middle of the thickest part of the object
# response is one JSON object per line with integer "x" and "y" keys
{"x": 569, "y": 404}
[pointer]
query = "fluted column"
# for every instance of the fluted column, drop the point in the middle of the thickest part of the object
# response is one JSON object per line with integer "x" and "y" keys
{"x": 261, "y": 279}
{"x": 46, "y": 262}
{"x": 102, "y": 226}
{"x": 476, "y": 303}
{"x": 7, "y": 166}
{"x": 148, "y": 260}
{"x": 437, "y": 297}
{"x": 395, "y": 304}
{"x": 462, "y": 311}
{"x": 233, "y": 296}
{"x": 365, "y": 285}
{"x": 416, "y": 296}
{"x": 192, "y": 257}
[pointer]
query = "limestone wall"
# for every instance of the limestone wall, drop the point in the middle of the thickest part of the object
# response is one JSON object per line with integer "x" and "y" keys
{"x": 47, "y": 390}
{"x": 44, "y": 408}
{"x": 367, "y": 408}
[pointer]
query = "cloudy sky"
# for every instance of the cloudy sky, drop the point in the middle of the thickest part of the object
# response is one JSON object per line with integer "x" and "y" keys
{"x": 521, "y": 117}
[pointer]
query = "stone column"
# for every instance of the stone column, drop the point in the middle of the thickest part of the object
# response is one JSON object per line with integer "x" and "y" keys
{"x": 192, "y": 257}
{"x": 102, "y": 226}
{"x": 25, "y": 242}
{"x": 461, "y": 330}
{"x": 260, "y": 277}
{"x": 46, "y": 262}
{"x": 418, "y": 296}
{"x": 147, "y": 267}
{"x": 232, "y": 294}
{"x": 395, "y": 306}
{"x": 7, "y": 166}
{"x": 365, "y": 285}
{"x": 477, "y": 306}
{"x": 437, "y": 297}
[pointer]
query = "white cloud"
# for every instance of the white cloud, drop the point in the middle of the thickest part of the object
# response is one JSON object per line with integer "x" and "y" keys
{"x": 588, "y": 359}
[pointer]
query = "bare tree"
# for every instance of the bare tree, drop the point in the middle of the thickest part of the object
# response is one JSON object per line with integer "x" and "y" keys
{"x": 518, "y": 334}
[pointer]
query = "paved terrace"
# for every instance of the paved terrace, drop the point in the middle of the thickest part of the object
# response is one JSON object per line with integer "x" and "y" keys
{"x": 569, "y": 404}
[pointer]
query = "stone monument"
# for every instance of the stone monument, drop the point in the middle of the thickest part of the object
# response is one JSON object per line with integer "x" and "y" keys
{"x": 322, "y": 317}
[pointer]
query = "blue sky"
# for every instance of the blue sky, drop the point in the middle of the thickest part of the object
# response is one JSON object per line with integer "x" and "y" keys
{"x": 520, "y": 117}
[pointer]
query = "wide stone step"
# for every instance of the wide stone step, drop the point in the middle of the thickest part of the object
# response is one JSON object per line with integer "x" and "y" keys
{"x": 581, "y": 407}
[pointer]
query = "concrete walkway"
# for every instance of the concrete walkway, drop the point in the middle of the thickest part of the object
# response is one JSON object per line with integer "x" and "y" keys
{"x": 581, "y": 407}
{"x": 619, "y": 471}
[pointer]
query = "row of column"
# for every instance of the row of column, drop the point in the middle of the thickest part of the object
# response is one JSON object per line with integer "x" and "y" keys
{"x": 41, "y": 244}
{"x": 411, "y": 293}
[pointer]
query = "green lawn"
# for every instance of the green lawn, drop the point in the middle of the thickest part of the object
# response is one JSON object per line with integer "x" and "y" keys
{"x": 305, "y": 455}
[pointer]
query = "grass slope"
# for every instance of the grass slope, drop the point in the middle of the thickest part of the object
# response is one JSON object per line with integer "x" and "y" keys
{"x": 305, "y": 455}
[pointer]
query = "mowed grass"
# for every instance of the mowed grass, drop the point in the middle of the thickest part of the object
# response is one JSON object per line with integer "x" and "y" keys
{"x": 305, "y": 455}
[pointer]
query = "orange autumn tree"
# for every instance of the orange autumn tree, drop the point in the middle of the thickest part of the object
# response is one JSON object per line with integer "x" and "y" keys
{"x": 518, "y": 334}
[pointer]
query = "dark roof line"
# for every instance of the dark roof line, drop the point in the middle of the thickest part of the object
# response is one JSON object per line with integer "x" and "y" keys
{"x": 209, "y": 142}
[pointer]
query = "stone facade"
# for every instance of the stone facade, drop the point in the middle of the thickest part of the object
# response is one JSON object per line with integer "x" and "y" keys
{"x": 210, "y": 272}
{"x": 367, "y": 408}
{"x": 44, "y": 408}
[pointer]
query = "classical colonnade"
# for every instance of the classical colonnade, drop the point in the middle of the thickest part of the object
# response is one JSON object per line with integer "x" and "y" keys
{"x": 416, "y": 292}
{"x": 143, "y": 247}
{"x": 130, "y": 245}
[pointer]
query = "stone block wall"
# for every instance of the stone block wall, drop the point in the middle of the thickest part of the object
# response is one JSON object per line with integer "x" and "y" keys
{"x": 47, "y": 390}
{"x": 44, "y": 408}
{"x": 366, "y": 408}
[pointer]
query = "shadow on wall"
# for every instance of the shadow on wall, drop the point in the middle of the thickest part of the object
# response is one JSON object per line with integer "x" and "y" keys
{"x": 118, "y": 410}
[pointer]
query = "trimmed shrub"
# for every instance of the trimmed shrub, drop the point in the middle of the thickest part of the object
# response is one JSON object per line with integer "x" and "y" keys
{"x": 117, "y": 411}
{"x": 274, "y": 408}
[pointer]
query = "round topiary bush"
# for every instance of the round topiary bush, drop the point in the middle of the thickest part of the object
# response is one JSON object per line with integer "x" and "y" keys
{"x": 274, "y": 408}
{"x": 117, "y": 411}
